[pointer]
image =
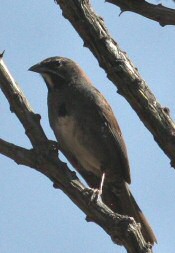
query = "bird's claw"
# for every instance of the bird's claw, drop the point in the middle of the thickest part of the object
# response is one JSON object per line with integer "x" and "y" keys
{"x": 95, "y": 194}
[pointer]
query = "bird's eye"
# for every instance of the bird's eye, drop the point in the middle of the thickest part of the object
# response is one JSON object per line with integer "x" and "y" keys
{"x": 58, "y": 63}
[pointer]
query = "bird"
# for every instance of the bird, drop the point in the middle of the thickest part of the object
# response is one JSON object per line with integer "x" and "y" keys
{"x": 89, "y": 136}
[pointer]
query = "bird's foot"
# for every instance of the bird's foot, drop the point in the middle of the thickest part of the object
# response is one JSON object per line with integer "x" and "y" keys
{"x": 96, "y": 195}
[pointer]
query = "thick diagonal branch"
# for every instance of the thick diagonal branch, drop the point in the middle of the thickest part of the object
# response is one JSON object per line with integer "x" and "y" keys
{"x": 121, "y": 72}
{"x": 44, "y": 158}
{"x": 159, "y": 13}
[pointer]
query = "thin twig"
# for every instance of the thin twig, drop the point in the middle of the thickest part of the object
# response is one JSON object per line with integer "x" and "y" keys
{"x": 159, "y": 13}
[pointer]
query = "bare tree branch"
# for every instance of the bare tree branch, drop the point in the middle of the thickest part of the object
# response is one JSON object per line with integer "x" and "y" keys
{"x": 123, "y": 230}
{"x": 121, "y": 72}
{"x": 18, "y": 154}
{"x": 163, "y": 15}
{"x": 20, "y": 106}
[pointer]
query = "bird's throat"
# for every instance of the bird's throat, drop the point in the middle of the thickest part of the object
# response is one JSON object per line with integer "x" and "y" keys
{"x": 53, "y": 81}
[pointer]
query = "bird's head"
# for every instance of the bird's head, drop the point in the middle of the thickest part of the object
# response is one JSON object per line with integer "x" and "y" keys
{"x": 58, "y": 71}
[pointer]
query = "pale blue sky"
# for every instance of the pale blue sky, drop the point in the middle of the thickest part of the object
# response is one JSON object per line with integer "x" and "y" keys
{"x": 35, "y": 217}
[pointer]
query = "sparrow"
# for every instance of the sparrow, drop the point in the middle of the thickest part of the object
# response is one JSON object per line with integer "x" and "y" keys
{"x": 89, "y": 135}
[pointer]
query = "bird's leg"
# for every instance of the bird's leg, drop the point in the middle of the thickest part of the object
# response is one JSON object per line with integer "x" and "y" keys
{"x": 101, "y": 184}
{"x": 98, "y": 192}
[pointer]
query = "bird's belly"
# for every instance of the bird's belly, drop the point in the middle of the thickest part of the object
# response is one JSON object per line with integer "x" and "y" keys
{"x": 72, "y": 139}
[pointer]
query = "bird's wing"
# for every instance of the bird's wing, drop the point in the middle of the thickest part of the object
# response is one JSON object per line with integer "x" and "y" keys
{"x": 108, "y": 116}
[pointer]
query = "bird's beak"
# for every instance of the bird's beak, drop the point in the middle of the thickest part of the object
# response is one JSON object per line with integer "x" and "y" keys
{"x": 38, "y": 68}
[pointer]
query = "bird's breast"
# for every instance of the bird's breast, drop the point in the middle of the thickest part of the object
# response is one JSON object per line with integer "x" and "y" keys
{"x": 73, "y": 140}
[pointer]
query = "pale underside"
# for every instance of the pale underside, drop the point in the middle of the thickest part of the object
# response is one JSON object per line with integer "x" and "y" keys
{"x": 69, "y": 138}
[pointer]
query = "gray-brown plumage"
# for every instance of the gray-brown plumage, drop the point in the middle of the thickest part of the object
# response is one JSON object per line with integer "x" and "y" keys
{"x": 89, "y": 135}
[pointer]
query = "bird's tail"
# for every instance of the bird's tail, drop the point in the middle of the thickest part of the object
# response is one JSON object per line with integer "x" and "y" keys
{"x": 122, "y": 202}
